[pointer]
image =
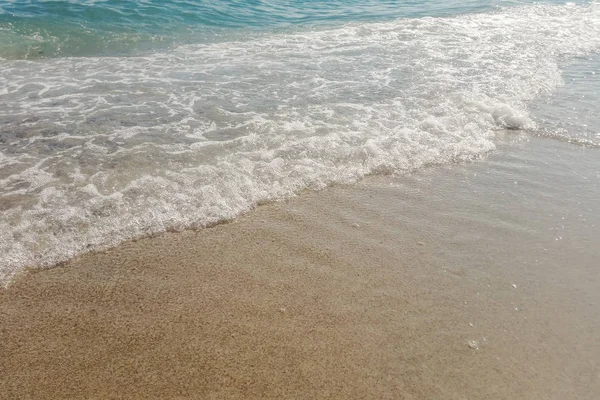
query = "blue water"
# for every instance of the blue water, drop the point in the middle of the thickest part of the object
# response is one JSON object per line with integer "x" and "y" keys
{"x": 120, "y": 119}
{"x": 33, "y": 29}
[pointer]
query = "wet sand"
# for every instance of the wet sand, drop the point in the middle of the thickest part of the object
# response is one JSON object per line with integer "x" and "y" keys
{"x": 476, "y": 281}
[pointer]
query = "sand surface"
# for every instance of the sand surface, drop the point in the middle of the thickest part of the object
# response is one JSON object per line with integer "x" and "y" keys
{"x": 477, "y": 281}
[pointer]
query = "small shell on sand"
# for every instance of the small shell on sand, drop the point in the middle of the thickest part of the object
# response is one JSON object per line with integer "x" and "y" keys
{"x": 473, "y": 344}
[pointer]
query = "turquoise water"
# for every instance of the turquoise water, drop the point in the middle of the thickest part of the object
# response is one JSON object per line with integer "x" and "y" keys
{"x": 120, "y": 119}
{"x": 34, "y": 29}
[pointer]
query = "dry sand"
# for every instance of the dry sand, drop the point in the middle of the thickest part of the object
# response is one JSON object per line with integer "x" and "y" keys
{"x": 479, "y": 281}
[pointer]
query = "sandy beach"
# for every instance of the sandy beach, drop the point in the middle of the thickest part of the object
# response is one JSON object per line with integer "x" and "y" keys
{"x": 475, "y": 281}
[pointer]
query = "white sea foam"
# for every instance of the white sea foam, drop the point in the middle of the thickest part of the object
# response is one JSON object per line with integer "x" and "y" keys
{"x": 95, "y": 151}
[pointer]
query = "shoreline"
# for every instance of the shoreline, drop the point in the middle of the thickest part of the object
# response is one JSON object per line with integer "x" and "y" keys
{"x": 461, "y": 281}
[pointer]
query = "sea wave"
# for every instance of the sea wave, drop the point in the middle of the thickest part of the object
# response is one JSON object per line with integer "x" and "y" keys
{"x": 98, "y": 150}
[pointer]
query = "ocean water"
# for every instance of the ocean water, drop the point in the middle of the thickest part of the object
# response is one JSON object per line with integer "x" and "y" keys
{"x": 120, "y": 119}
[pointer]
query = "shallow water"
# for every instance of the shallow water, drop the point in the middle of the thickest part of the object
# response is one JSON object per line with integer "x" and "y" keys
{"x": 571, "y": 112}
{"x": 126, "y": 141}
